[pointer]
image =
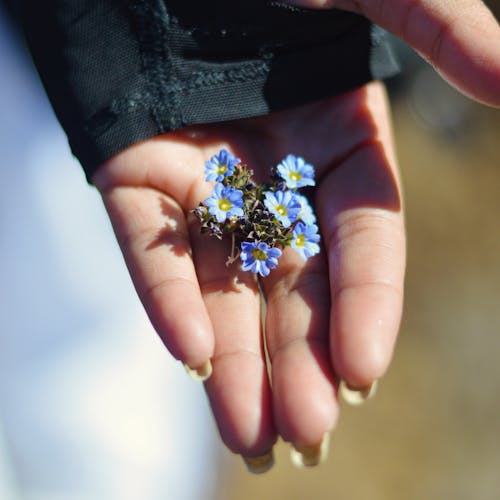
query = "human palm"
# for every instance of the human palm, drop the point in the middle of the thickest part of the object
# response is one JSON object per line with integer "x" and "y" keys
{"x": 334, "y": 317}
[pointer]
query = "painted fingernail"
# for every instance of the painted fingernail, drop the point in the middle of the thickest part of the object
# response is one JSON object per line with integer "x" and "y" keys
{"x": 356, "y": 396}
{"x": 260, "y": 464}
{"x": 200, "y": 373}
{"x": 309, "y": 456}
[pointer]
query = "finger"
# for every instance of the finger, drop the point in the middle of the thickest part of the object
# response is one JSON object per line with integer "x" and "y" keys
{"x": 360, "y": 211}
{"x": 297, "y": 336}
{"x": 461, "y": 38}
{"x": 153, "y": 236}
{"x": 238, "y": 390}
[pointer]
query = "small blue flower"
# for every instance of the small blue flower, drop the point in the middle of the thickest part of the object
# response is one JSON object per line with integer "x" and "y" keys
{"x": 296, "y": 172}
{"x": 283, "y": 205}
{"x": 305, "y": 240}
{"x": 220, "y": 166}
{"x": 259, "y": 257}
{"x": 306, "y": 214}
{"x": 225, "y": 202}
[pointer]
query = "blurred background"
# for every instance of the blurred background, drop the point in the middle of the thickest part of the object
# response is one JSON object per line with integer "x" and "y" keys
{"x": 433, "y": 430}
{"x": 92, "y": 407}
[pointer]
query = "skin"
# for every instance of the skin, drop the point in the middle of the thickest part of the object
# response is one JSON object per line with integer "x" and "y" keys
{"x": 336, "y": 316}
{"x": 458, "y": 37}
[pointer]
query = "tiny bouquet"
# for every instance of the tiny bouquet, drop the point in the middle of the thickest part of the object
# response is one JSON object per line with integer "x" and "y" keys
{"x": 262, "y": 219}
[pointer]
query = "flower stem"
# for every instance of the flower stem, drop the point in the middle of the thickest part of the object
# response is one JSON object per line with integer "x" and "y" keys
{"x": 234, "y": 253}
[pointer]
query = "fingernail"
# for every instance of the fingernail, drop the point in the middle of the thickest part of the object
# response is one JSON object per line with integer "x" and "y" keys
{"x": 309, "y": 456}
{"x": 200, "y": 373}
{"x": 260, "y": 464}
{"x": 356, "y": 396}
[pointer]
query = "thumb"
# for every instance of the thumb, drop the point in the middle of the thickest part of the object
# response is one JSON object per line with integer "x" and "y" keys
{"x": 460, "y": 38}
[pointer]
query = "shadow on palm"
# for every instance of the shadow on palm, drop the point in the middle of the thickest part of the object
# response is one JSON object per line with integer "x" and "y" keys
{"x": 348, "y": 140}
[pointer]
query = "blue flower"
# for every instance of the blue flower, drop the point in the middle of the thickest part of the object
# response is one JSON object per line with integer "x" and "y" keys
{"x": 305, "y": 240}
{"x": 306, "y": 213}
{"x": 259, "y": 257}
{"x": 283, "y": 205}
{"x": 225, "y": 202}
{"x": 296, "y": 172}
{"x": 220, "y": 166}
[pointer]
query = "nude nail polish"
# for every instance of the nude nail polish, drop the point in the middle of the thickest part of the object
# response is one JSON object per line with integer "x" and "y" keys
{"x": 260, "y": 464}
{"x": 311, "y": 455}
{"x": 356, "y": 396}
{"x": 200, "y": 373}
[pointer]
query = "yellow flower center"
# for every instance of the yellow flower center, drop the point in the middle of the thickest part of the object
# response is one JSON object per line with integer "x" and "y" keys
{"x": 258, "y": 254}
{"x": 300, "y": 241}
{"x": 281, "y": 210}
{"x": 225, "y": 204}
{"x": 221, "y": 169}
{"x": 295, "y": 176}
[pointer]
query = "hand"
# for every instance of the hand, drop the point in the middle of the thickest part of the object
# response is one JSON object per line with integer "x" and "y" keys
{"x": 336, "y": 316}
{"x": 460, "y": 38}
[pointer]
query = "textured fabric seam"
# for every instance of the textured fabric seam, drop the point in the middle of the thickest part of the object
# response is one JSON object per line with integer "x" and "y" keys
{"x": 164, "y": 97}
{"x": 150, "y": 20}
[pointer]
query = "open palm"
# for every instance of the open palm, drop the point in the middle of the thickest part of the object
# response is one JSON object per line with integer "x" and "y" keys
{"x": 335, "y": 316}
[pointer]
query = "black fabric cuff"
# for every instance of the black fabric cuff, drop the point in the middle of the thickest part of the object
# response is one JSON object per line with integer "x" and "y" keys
{"x": 118, "y": 72}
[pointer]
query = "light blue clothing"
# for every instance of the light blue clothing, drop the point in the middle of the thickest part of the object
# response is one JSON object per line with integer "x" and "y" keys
{"x": 92, "y": 407}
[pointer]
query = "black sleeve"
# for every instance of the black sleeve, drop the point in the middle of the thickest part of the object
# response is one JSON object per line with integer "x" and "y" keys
{"x": 121, "y": 71}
